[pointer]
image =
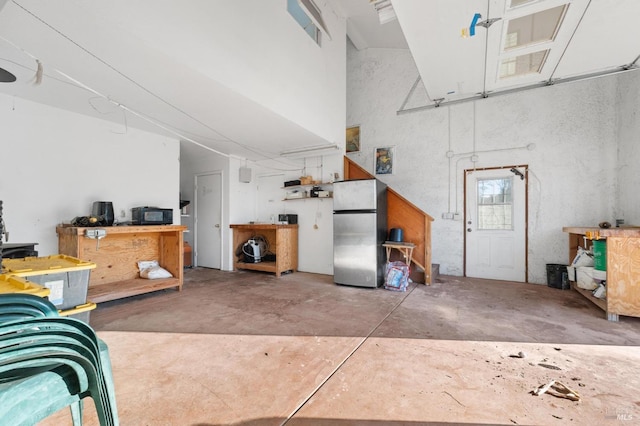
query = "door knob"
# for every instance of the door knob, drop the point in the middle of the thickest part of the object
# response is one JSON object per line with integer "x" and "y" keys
{"x": 217, "y": 225}
{"x": 468, "y": 229}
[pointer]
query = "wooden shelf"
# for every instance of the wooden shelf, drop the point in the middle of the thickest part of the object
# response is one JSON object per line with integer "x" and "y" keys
{"x": 623, "y": 266}
{"x": 127, "y": 288}
{"x": 282, "y": 240}
{"x": 307, "y": 198}
{"x": 600, "y": 303}
{"x": 311, "y": 185}
{"x": 260, "y": 266}
{"x": 117, "y": 254}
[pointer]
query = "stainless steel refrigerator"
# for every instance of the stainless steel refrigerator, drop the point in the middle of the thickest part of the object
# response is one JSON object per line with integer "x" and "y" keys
{"x": 359, "y": 229}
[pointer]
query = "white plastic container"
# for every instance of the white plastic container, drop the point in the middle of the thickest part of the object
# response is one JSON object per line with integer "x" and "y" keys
{"x": 584, "y": 278}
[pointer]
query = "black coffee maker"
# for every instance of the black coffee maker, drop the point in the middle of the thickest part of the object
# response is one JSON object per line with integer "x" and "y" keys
{"x": 103, "y": 210}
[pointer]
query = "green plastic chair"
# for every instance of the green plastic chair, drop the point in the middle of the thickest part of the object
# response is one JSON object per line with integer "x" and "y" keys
{"x": 24, "y": 403}
{"x": 15, "y": 306}
{"x": 30, "y": 347}
{"x": 37, "y": 346}
{"x": 51, "y": 342}
{"x": 40, "y": 335}
{"x": 78, "y": 372}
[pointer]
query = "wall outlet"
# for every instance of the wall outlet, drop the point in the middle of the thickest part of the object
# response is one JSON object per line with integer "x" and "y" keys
{"x": 447, "y": 215}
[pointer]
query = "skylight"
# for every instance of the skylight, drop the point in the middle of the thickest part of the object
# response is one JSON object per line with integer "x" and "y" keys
{"x": 523, "y": 64}
{"x": 529, "y": 39}
{"x": 535, "y": 28}
{"x": 516, "y": 3}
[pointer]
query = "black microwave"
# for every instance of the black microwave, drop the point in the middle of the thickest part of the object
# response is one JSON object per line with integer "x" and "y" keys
{"x": 151, "y": 216}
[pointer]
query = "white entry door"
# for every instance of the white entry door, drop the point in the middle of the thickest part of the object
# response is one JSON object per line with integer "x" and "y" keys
{"x": 495, "y": 224}
{"x": 208, "y": 220}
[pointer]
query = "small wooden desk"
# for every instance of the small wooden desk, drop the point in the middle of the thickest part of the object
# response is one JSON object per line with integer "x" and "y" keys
{"x": 405, "y": 248}
{"x": 282, "y": 241}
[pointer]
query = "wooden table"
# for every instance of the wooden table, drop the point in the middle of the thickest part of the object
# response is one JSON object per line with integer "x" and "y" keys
{"x": 623, "y": 267}
{"x": 405, "y": 248}
{"x": 117, "y": 253}
{"x": 282, "y": 241}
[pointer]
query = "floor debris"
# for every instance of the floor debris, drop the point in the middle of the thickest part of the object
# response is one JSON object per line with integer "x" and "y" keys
{"x": 557, "y": 389}
{"x": 454, "y": 398}
{"x": 549, "y": 366}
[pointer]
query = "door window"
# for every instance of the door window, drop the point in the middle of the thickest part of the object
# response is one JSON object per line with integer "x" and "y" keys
{"x": 495, "y": 204}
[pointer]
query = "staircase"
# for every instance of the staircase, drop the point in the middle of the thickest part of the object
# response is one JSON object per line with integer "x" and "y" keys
{"x": 401, "y": 213}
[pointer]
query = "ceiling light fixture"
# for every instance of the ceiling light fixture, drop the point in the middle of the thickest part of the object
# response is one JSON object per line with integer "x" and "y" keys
{"x": 6, "y": 76}
{"x": 310, "y": 151}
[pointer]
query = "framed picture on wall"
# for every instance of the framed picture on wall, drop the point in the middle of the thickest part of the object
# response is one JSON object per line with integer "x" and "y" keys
{"x": 384, "y": 159}
{"x": 353, "y": 139}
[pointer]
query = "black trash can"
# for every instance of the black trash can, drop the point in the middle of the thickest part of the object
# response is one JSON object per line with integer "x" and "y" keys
{"x": 557, "y": 276}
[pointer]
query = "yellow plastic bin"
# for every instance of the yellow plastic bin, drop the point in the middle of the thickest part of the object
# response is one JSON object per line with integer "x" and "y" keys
{"x": 66, "y": 278}
{"x": 11, "y": 284}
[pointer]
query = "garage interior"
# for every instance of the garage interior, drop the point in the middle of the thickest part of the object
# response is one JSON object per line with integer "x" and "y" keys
{"x": 250, "y": 348}
{"x": 145, "y": 104}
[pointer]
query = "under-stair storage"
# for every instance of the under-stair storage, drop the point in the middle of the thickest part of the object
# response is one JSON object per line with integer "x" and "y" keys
{"x": 401, "y": 213}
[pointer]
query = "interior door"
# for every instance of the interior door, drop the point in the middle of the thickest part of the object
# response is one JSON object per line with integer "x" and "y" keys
{"x": 208, "y": 219}
{"x": 495, "y": 223}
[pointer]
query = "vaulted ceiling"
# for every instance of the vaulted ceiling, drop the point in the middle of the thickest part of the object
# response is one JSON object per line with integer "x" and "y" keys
{"x": 470, "y": 49}
{"x": 463, "y": 49}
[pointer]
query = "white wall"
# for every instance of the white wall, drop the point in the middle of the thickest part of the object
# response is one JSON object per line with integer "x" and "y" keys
{"x": 573, "y": 178}
{"x": 315, "y": 220}
{"x": 255, "y": 48}
{"x": 628, "y": 121}
{"x": 262, "y": 200}
{"x": 267, "y": 57}
{"x": 56, "y": 164}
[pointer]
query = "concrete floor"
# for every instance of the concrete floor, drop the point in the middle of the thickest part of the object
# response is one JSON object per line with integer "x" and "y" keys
{"x": 252, "y": 349}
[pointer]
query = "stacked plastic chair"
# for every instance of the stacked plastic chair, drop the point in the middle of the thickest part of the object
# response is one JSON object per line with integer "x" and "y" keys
{"x": 49, "y": 362}
{"x": 15, "y": 306}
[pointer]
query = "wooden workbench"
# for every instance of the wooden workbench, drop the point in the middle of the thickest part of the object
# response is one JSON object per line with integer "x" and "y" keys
{"x": 623, "y": 267}
{"x": 282, "y": 241}
{"x": 117, "y": 255}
